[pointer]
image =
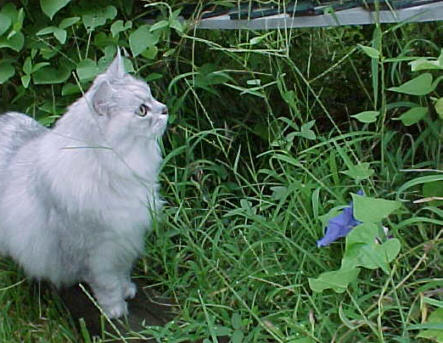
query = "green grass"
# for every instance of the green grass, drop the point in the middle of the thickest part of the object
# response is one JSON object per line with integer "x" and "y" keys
{"x": 247, "y": 199}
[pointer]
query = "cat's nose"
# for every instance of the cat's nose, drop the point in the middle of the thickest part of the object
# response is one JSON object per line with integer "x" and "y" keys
{"x": 165, "y": 110}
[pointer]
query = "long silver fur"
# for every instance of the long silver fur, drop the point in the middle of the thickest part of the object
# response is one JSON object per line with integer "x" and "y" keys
{"x": 76, "y": 200}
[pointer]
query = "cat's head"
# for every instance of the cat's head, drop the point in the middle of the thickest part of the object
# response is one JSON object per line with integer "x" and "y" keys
{"x": 124, "y": 106}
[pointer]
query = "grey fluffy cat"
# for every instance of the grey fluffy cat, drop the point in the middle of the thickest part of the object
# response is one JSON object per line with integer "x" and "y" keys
{"x": 77, "y": 199}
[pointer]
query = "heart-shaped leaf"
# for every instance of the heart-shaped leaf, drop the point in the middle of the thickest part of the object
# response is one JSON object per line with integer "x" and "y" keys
{"x": 360, "y": 171}
{"x": 366, "y": 116}
{"x": 421, "y": 85}
{"x": 363, "y": 250}
{"x": 87, "y": 69}
{"x": 413, "y": 115}
{"x": 141, "y": 39}
{"x": 50, "y": 75}
{"x": 98, "y": 17}
{"x": 372, "y": 210}
{"x": 118, "y": 27}
{"x": 67, "y": 22}
{"x": 51, "y": 7}
{"x": 338, "y": 280}
{"x": 58, "y": 33}
{"x": 16, "y": 42}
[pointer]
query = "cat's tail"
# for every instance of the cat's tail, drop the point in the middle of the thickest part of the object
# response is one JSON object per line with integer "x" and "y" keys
{"x": 16, "y": 130}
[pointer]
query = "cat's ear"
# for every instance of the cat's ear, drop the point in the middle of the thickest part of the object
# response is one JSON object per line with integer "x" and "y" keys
{"x": 116, "y": 69}
{"x": 101, "y": 100}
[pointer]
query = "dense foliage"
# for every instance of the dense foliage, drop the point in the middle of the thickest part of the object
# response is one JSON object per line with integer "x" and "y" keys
{"x": 269, "y": 134}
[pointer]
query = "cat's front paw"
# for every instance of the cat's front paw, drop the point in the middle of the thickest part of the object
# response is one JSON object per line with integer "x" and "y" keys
{"x": 116, "y": 310}
{"x": 129, "y": 290}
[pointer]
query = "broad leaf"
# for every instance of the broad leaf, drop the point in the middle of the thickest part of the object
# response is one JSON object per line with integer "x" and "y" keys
{"x": 27, "y": 66}
{"x": 413, "y": 115}
{"x": 421, "y": 85}
{"x": 366, "y": 116}
{"x": 159, "y": 25}
{"x": 338, "y": 280}
{"x": 118, "y": 27}
{"x": 360, "y": 171}
{"x": 372, "y": 210}
{"x": 67, "y": 22}
{"x": 87, "y": 69}
{"x": 58, "y": 33}
{"x": 6, "y": 71}
{"x": 434, "y": 331}
{"x": 363, "y": 250}
{"x": 16, "y": 42}
{"x": 98, "y": 17}
{"x": 50, "y": 75}
{"x": 5, "y": 22}
{"x": 141, "y": 39}
{"x": 425, "y": 64}
{"x": 25, "y": 80}
{"x": 51, "y": 7}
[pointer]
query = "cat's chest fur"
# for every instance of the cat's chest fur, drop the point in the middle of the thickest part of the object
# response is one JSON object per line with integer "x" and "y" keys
{"x": 114, "y": 186}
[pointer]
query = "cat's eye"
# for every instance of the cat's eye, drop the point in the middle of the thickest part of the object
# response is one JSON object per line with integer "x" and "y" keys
{"x": 142, "y": 111}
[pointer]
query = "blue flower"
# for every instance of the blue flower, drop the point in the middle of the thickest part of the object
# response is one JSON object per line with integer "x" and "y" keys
{"x": 340, "y": 225}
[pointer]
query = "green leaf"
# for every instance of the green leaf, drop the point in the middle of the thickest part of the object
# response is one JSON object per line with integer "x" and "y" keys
{"x": 50, "y": 75}
{"x": 118, "y": 27}
{"x": 176, "y": 25}
{"x": 141, "y": 39}
{"x": 98, "y": 17}
{"x": 366, "y": 116}
{"x": 434, "y": 189}
{"x": 58, "y": 33}
{"x": 25, "y": 80}
{"x": 372, "y": 210}
{"x": 51, "y": 7}
{"x": 87, "y": 69}
{"x": 435, "y": 332}
{"x": 16, "y": 42}
{"x": 413, "y": 115}
{"x": 46, "y": 30}
{"x": 258, "y": 39}
{"x": 360, "y": 171}
{"x": 425, "y": 64}
{"x": 18, "y": 23}
{"x": 236, "y": 321}
{"x": 237, "y": 336}
{"x": 159, "y": 25}
{"x": 67, "y": 22}
{"x": 70, "y": 89}
{"x": 5, "y": 22}
{"x": 363, "y": 250}
{"x": 421, "y": 85}
{"x": 338, "y": 280}
{"x": 302, "y": 340}
{"x": 153, "y": 77}
{"x": 439, "y": 107}
{"x": 150, "y": 52}
{"x": 371, "y": 52}
{"x": 418, "y": 181}
{"x": 38, "y": 66}
{"x": 7, "y": 71}
{"x": 27, "y": 66}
